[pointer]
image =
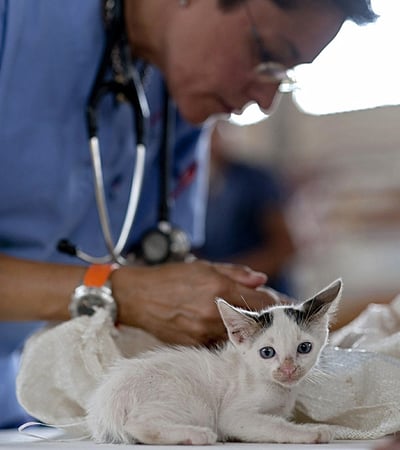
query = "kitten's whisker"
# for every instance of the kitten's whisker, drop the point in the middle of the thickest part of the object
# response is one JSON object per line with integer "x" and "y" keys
{"x": 247, "y": 305}
{"x": 316, "y": 376}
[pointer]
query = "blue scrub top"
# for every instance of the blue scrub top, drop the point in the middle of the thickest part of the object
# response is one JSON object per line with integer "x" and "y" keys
{"x": 49, "y": 54}
{"x": 247, "y": 193}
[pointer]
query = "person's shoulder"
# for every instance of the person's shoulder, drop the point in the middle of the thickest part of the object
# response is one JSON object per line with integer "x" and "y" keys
{"x": 44, "y": 27}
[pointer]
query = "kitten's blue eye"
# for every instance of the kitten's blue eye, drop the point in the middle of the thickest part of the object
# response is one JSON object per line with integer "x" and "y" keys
{"x": 267, "y": 352}
{"x": 304, "y": 347}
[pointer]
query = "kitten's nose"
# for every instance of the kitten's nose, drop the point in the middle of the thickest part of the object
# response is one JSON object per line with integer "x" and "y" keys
{"x": 288, "y": 367}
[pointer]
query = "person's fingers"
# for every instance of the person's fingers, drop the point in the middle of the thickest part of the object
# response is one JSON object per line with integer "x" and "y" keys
{"x": 249, "y": 299}
{"x": 241, "y": 274}
{"x": 176, "y": 302}
{"x": 186, "y": 328}
{"x": 278, "y": 297}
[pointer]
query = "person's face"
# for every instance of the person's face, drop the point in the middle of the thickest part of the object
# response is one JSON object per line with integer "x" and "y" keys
{"x": 210, "y": 55}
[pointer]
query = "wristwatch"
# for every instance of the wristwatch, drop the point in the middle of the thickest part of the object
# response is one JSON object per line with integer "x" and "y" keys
{"x": 94, "y": 293}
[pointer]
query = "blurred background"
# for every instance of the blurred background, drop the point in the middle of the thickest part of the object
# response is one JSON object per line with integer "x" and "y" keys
{"x": 334, "y": 148}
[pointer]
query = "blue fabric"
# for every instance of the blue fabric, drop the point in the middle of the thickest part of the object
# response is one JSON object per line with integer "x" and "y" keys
{"x": 49, "y": 53}
{"x": 14, "y": 415}
{"x": 241, "y": 196}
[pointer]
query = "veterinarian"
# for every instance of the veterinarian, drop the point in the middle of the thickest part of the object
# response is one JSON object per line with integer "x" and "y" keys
{"x": 102, "y": 155}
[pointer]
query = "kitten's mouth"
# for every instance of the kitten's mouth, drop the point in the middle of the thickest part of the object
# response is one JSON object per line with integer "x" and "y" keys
{"x": 285, "y": 377}
{"x": 289, "y": 382}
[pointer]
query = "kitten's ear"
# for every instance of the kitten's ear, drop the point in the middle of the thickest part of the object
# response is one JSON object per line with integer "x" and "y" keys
{"x": 240, "y": 325}
{"x": 324, "y": 302}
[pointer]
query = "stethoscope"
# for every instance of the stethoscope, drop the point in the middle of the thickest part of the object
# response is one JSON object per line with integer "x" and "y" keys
{"x": 164, "y": 242}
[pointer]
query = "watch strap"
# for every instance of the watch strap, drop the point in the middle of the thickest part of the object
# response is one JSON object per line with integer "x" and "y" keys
{"x": 94, "y": 292}
{"x": 97, "y": 274}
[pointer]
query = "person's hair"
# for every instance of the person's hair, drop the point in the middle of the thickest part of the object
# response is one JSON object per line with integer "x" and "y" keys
{"x": 358, "y": 11}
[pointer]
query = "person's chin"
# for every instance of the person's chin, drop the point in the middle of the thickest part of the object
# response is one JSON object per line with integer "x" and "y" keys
{"x": 198, "y": 115}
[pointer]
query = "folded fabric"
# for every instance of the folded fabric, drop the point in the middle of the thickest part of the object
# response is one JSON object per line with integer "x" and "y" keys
{"x": 61, "y": 364}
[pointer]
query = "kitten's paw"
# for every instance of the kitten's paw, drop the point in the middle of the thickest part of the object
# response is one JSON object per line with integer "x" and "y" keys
{"x": 172, "y": 434}
{"x": 202, "y": 436}
{"x": 323, "y": 434}
{"x": 310, "y": 434}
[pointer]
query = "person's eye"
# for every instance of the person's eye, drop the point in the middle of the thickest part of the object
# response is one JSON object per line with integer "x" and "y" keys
{"x": 259, "y": 53}
{"x": 304, "y": 347}
{"x": 267, "y": 352}
{"x": 264, "y": 55}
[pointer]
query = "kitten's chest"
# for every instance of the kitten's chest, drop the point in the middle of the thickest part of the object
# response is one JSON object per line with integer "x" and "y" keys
{"x": 262, "y": 398}
{"x": 277, "y": 401}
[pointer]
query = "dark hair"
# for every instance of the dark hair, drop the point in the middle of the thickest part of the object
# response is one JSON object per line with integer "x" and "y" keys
{"x": 358, "y": 11}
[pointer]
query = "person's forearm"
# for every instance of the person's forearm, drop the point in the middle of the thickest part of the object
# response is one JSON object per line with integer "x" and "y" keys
{"x": 175, "y": 302}
{"x": 36, "y": 291}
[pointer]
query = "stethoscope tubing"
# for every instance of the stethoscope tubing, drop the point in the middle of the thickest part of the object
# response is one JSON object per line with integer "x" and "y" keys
{"x": 114, "y": 251}
{"x": 130, "y": 89}
{"x": 133, "y": 92}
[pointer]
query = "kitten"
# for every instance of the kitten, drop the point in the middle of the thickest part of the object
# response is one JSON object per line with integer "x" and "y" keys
{"x": 244, "y": 391}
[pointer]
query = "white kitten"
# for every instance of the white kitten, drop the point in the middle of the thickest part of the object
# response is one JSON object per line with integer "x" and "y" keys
{"x": 244, "y": 391}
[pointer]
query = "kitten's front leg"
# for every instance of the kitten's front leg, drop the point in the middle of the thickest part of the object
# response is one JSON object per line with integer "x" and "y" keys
{"x": 256, "y": 427}
{"x": 155, "y": 429}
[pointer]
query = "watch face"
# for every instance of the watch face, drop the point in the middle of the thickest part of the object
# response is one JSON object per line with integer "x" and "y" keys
{"x": 87, "y": 300}
{"x": 86, "y": 306}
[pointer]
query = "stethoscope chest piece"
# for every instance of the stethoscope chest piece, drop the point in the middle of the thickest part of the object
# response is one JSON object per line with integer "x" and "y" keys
{"x": 164, "y": 243}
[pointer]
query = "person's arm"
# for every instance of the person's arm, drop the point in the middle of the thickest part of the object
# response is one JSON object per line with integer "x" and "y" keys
{"x": 175, "y": 302}
{"x": 32, "y": 290}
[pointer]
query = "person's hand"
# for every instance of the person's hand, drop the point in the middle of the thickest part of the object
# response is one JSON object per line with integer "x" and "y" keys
{"x": 176, "y": 302}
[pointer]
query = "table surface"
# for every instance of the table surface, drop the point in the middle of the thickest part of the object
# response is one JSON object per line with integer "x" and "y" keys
{"x": 12, "y": 439}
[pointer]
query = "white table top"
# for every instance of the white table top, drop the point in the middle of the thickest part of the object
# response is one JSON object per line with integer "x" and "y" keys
{"x": 13, "y": 440}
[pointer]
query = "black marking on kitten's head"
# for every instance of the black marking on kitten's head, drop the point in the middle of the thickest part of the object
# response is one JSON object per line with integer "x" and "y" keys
{"x": 242, "y": 326}
{"x": 322, "y": 304}
{"x": 265, "y": 319}
{"x": 295, "y": 314}
{"x": 303, "y": 317}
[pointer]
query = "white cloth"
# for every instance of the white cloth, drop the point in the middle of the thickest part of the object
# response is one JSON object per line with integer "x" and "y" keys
{"x": 360, "y": 393}
{"x": 61, "y": 364}
{"x": 357, "y": 393}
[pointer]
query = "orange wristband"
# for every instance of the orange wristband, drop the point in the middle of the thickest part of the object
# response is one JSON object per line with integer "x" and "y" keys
{"x": 98, "y": 274}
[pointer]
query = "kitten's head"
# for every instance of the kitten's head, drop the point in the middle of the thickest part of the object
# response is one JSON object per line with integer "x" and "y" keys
{"x": 283, "y": 342}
